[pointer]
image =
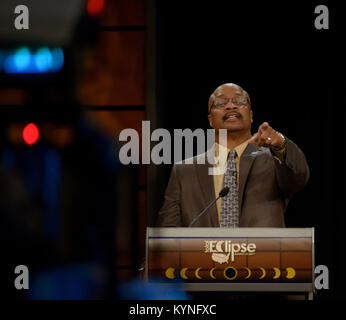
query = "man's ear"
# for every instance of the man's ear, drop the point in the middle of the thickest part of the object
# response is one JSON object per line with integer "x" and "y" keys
{"x": 210, "y": 120}
{"x": 251, "y": 116}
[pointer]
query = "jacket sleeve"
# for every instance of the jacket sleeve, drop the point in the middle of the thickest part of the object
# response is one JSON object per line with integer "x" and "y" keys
{"x": 170, "y": 213}
{"x": 293, "y": 173}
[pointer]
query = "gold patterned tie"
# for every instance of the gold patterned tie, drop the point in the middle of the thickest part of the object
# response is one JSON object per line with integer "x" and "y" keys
{"x": 229, "y": 206}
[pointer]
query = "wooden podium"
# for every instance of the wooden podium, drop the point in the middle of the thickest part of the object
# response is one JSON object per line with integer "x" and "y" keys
{"x": 232, "y": 260}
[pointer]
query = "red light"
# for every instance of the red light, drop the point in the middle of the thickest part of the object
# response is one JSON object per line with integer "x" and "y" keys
{"x": 31, "y": 134}
{"x": 94, "y": 7}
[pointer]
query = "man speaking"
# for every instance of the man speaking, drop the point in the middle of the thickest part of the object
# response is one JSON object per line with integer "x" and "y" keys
{"x": 261, "y": 172}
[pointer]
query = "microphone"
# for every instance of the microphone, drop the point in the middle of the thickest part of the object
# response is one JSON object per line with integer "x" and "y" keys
{"x": 222, "y": 193}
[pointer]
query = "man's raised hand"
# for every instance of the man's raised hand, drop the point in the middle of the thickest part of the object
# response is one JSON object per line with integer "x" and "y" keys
{"x": 267, "y": 136}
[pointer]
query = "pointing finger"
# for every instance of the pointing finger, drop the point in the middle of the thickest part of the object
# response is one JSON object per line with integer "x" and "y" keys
{"x": 264, "y": 126}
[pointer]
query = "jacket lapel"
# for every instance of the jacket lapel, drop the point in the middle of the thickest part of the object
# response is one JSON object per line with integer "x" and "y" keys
{"x": 246, "y": 161}
{"x": 206, "y": 183}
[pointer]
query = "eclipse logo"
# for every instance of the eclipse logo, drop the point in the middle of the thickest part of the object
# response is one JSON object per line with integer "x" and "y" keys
{"x": 227, "y": 246}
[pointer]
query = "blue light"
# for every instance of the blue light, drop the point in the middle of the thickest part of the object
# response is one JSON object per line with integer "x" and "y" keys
{"x": 58, "y": 59}
{"x": 43, "y": 59}
{"x": 18, "y": 62}
{"x": 9, "y": 65}
{"x": 22, "y": 59}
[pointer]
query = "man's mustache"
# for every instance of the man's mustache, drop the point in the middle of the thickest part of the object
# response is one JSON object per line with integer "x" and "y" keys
{"x": 231, "y": 113}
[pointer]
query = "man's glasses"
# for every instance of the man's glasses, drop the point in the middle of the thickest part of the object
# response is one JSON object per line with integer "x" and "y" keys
{"x": 240, "y": 102}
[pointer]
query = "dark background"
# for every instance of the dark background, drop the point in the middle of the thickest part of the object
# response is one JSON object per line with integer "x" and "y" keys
{"x": 294, "y": 74}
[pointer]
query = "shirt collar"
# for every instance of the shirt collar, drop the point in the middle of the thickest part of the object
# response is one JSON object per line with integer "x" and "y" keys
{"x": 223, "y": 151}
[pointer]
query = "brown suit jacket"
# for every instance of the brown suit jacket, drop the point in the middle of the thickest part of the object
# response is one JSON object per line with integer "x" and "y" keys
{"x": 265, "y": 187}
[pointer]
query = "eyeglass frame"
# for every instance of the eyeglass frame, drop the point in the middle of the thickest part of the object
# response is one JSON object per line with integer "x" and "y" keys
{"x": 232, "y": 102}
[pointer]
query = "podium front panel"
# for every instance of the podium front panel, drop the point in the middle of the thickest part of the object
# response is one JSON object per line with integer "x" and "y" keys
{"x": 242, "y": 259}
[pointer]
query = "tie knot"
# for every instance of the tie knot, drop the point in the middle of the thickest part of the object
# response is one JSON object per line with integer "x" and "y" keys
{"x": 232, "y": 154}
